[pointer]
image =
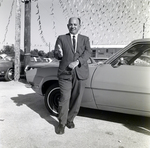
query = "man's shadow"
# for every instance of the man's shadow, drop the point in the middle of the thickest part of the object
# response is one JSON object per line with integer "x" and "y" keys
{"x": 36, "y": 103}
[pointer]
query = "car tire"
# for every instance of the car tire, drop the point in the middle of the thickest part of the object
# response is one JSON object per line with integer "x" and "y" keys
{"x": 9, "y": 75}
{"x": 51, "y": 99}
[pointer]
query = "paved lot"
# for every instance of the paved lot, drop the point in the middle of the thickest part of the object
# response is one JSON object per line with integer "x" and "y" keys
{"x": 25, "y": 123}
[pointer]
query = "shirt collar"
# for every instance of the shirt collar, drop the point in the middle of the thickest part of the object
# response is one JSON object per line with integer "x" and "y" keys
{"x": 76, "y": 35}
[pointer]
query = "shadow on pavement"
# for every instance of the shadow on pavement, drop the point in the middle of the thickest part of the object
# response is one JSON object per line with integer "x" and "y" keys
{"x": 22, "y": 80}
{"x": 36, "y": 103}
{"x": 136, "y": 123}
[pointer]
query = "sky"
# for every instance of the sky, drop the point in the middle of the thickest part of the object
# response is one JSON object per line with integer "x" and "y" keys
{"x": 7, "y": 19}
{"x": 106, "y": 22}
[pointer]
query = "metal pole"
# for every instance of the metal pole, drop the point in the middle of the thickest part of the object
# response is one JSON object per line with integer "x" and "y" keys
{"x": 49, "y": 49}
{"x": 143, "y": 29}
{"x": 17, "y": 40}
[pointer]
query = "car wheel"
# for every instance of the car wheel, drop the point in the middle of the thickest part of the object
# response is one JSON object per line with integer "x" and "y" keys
{"x": 9, "y": 76}
{"x": 51, "y": 99}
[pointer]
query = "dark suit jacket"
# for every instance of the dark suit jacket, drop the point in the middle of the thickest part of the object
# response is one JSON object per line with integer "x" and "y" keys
{"x": 83, "y": 52}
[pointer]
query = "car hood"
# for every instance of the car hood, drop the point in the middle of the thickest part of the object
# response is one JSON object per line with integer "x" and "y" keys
{"x": 6, "y": 62}
{"x": 43, "y": 64}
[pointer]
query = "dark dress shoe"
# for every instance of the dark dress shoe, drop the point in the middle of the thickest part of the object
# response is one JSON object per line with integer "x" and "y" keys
{"x": 60, "y": 129}
{"x": 70, "y": 125}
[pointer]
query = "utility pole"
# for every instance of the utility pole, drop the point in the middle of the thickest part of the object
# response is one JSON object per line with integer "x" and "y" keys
{"x": 27, "y": 29}
{"x": 17, "y": 40}
{"x": 49, "y": 49}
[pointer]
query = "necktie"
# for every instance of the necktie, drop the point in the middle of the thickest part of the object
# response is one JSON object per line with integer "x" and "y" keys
{"x": 74, "y": 43}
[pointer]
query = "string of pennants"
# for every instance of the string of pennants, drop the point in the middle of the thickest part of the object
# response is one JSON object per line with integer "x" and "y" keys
{"x": 10, "y": 15}
{"x": 40, "y": 25}
{"x": 110, "y": 21}
{"x": 104, "y": 21}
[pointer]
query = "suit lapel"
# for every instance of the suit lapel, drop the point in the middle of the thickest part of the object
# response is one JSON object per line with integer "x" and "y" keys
{"x": 78, "y": 41}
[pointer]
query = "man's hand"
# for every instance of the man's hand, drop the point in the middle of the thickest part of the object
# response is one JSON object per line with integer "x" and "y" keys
{"x": 60, "y": 50}
{"x": 74, "y": 64}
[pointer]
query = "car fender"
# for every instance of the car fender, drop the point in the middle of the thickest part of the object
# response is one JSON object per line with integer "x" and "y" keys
{"x": 46, "y": 82}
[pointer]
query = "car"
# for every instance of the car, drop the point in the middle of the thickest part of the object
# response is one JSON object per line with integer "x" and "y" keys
{"x": 119, "y": 84}
{"x": 6, "y": 68}
{"x": 7, "y": 64}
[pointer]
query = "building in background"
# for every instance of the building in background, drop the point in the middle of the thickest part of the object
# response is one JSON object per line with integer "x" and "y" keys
{"x": 105, "y": 50}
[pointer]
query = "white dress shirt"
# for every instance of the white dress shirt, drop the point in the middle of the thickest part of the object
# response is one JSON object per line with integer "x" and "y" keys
{"x": 76, "y": 38}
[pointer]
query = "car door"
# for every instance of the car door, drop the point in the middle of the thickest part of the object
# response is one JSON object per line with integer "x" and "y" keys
{"x": 124, "y": 87}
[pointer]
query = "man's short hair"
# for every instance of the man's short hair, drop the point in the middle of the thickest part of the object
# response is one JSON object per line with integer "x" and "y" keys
{"x": 79, "y": 20}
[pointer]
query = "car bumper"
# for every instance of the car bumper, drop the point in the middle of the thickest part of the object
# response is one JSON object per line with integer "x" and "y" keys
{"x": 36, "y": 88}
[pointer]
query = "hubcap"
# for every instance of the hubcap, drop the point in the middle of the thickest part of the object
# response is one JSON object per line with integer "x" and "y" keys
{"x": 11, "y": 74}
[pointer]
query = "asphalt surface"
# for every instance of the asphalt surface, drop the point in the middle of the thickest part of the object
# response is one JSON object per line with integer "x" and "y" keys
{"x": 25, "y": 123}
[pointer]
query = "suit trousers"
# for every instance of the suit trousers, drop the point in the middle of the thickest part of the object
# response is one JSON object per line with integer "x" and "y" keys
{"x": 71, "y": 96}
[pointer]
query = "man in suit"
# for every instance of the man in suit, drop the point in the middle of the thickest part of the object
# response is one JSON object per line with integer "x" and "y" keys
{"x": 73, "y": 50}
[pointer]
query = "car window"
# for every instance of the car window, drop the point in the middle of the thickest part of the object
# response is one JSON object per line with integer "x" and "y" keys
{"x": 143, "y": 60}
{"x": 137, "y": 55}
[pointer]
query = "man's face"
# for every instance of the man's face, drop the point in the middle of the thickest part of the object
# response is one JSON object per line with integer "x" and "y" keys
{"x": 73, "y": 26}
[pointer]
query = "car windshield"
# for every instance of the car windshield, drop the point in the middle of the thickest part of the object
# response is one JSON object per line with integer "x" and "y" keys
{"x": 137, "y": 54}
